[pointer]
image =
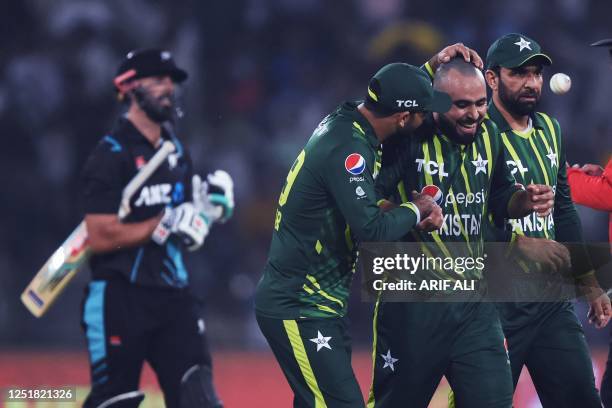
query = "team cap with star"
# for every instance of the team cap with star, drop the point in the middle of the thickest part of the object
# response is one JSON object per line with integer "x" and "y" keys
{"x": 514, "y": 50}
{"x": 400, "y": 87}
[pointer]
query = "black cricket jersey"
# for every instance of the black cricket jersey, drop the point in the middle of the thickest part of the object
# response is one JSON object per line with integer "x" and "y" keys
{"x": 113, "y": 163}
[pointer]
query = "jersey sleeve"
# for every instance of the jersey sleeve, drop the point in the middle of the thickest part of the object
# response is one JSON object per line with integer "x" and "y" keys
{"x": 355, "y": 197}
{"x": 391, "y": 172}
{"x": 503, "y": 185}
{"x": 567, "y": 223}
{"x": 101, "y": 180}
{"x": 592, "y": 191}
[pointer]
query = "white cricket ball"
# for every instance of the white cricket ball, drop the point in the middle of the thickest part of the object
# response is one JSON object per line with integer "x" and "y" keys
{"x": 560, "y": 83}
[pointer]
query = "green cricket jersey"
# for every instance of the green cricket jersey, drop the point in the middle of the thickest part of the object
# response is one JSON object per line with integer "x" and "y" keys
{"x": 328, "y": 201}
{"x": 538, "y": 157}
{"x": 472, "y": 179}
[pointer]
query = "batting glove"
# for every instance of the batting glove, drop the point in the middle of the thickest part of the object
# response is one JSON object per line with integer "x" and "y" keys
{"x": 185, "y": 221}
{"x": 215, "y": 198}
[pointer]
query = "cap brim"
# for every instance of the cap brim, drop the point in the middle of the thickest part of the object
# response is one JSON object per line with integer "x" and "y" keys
{"x": 603, "y": 43}
{"x": 178, "y": 75}
{"x": 517, "y": 62}
{"x": 441, "y": 102}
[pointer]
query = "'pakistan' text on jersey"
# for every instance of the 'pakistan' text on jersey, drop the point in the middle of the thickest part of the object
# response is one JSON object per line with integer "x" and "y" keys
{"x": 472, "y": 180}
{"x": 327, "y": 201}
{"x": 113, "y": 163}
{"x": 538, "y": 157}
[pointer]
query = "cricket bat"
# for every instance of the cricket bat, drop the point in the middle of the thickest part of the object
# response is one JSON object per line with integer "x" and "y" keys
{"x": 62, "y": 266}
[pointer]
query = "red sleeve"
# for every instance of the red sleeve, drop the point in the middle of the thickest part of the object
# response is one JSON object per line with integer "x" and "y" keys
{"x": 592, "y": 191}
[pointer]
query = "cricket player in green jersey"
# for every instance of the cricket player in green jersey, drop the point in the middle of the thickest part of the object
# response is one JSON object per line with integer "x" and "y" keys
{"x": 326, "y": 206}
{"x": 544, "y": 336}
{"x": 415, "y": 344}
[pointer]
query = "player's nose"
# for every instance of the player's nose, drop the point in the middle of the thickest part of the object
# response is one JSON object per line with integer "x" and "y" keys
{"x": 472, "y": 112}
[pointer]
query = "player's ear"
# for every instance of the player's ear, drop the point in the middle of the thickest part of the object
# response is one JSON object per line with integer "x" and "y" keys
{"x": 492, "y": 79}
{"x": 403, "y": 119}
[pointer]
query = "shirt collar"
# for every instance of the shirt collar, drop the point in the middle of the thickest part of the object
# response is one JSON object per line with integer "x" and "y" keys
{"x": 127, "y": 128}
{"x": 364, "y": 125}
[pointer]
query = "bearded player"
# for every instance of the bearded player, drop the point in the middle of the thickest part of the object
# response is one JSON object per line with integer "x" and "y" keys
{"x": 415, "y": 344}
{"x": 544, "y": 336}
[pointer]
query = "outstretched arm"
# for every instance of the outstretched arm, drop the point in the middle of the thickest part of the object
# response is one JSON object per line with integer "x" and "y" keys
{"x": 589, "y": 190}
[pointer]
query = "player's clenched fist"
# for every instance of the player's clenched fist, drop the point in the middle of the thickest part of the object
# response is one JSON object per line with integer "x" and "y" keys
{"x": 432, "y": 222}
{"x": 541, "y": 198}
{"x": 431, "y": 213}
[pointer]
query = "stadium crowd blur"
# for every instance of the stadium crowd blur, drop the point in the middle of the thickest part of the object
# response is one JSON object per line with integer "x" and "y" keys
{"x": 262, "y": 75}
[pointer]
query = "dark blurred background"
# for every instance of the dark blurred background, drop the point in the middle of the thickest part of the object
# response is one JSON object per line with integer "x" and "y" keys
{"x": 262, "y": 75}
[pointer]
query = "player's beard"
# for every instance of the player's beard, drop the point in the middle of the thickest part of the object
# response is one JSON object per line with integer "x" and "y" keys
{"x": 403, "y": 131}
{"x": 153, "y": 106}
{"x": 451, "y": 129}
{"x": 513, "y": 103}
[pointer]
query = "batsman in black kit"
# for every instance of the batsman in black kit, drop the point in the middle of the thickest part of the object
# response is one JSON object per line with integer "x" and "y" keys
{"x": 138, "y": 305}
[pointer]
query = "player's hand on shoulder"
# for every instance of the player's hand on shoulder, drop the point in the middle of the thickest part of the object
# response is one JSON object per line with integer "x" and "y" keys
{"x": 185, "y": 221}
{"x": 215, "y": 196}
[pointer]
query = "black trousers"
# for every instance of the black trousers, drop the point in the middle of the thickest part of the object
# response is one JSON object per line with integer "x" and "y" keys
{"x": 126, "y": 325}
{"x": 606, "y": 382}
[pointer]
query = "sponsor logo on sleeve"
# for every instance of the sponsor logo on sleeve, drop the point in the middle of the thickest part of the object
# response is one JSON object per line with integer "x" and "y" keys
{"x": 355, "y": 164}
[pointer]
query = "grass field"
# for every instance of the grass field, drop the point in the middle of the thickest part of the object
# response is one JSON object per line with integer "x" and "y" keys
{"x": 244, "y": 379}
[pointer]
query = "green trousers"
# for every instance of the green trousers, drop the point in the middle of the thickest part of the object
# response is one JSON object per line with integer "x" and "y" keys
{"x": 315, "y": 356}
{"x": 415, "y": 344}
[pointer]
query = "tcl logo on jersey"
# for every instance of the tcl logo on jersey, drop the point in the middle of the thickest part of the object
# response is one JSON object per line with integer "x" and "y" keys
{"x": 408, "y": 103}
{"x": 514, "y": 167}
{"x": 354, "y": 164}
{"x": 431, "y": 167}
{"x": 154, "y": 195}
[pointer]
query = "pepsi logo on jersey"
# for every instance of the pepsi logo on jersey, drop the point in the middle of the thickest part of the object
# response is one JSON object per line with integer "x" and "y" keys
{"x": 355, "y": 164}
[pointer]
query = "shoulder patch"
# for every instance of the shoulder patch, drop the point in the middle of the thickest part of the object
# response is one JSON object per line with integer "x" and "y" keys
{"x": 115, "y": 145}
{"x": 355, "y": 164}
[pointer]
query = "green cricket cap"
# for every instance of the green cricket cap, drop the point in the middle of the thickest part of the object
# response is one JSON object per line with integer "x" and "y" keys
{"x": 513, "y": 50}
{"x": 401, "y": 87}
